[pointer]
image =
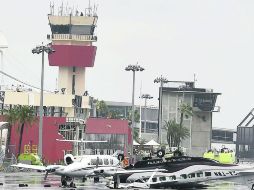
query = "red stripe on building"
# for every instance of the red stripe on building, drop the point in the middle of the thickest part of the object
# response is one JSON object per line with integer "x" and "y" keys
{"x": 72, "y": 56}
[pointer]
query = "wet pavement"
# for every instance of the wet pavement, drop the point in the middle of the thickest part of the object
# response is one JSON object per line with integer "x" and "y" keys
{"x": 35, "y": 180}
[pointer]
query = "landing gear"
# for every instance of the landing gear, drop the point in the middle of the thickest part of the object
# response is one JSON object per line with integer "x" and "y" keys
{"x": 64, "y": 182}
{"x": 84, "y": 179}
{"x": 96, "y": 179}
{"x": 72, "y": 185}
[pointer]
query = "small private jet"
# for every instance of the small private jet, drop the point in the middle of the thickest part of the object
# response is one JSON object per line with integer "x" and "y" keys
{"x": 79, "y": 167}
{"x": 82, "y": 166}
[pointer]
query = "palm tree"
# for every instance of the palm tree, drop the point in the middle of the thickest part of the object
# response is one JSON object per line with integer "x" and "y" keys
{"x": 185, "y": 110}
{"x": 175, "y": 133}
{"x": 11, "y": 118}
{"x": 21, "y": 115}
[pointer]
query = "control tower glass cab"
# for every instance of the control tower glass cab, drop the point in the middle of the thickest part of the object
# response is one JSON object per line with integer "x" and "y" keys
{"x": 72, "y": 39}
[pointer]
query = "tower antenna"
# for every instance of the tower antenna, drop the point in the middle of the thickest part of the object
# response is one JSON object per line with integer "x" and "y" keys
{"x": 195, "y": 79}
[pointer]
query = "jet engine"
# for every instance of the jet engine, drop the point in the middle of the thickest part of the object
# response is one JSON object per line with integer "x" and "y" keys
{"x": 68, "y": 159}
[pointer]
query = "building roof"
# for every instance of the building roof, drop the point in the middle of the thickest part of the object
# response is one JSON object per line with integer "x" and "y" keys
{"x": 106, "y": 126}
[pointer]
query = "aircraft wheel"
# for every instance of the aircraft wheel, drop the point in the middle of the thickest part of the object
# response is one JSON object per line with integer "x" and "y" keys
{"x": 63, "y": 181}
{"x": 96, "y": 179}
{"x": 120, "y": 157}
{"x": 84, "y": 179}
{"x": 160, "y": 153}
{"x": 72, "y": 185}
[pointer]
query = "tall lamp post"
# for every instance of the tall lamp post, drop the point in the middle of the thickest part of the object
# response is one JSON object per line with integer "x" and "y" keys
{"x": 133, "y": 68}
{"x": 37, "y": 50}
{"x": 145, "y": 96}
{"x": 160, "y": 80}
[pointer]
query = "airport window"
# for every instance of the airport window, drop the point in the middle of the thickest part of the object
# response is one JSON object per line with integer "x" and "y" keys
{"x": 183, "y": 176}
{"x": 106, "y": 162}
{"x": 192, "y": 175}
{"x": 208, "y": 174}
{"x": 154, "y": 179}
{"x": 162, "y": 178}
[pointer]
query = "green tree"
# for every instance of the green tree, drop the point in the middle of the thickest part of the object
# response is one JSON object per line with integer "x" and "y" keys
{"x": 136, "y": 134}
{"x": 114, "y": 114}
{"x": 175, "y": 133}
{"x": 11, "y": 118}
{"x": 101, "y": 109}
{"x": 185, "y": 110}
{"x": 20, "y": 115}
{"x": 136, "y": 116}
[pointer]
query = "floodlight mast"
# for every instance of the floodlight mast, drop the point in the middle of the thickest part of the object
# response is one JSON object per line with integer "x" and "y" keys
{"x": 134, "y": 69}
{"x": 160, "y": 80}
{"x": 37, "y": 50}
{"x": 145, "y": 96}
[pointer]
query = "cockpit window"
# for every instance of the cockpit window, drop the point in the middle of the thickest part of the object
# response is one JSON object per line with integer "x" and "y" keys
{"x": 200, "y": 174}
{"x": 154, "y": 179}
{"x": 106, "y": 162}
{"x": 93, "y": 161}
{"x": 111, "y": 162}
{"x": 100, "y": 162}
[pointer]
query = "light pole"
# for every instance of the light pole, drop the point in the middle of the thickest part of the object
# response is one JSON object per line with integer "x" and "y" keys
{"x": 160, "y": 80}
{"x": 145, "y": 96}
{"x": 133, "y": 68}
{"x": 41, "y": 49}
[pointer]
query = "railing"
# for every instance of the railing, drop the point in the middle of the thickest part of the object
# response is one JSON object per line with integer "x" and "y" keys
{"x": 74, "y": 37}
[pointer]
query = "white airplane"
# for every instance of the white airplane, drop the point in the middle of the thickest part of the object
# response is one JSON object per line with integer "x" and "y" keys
{"x": 79, "y": 167}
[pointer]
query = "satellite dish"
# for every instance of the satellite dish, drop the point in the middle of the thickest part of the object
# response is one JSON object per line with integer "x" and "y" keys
{"x": 3, "y": 41}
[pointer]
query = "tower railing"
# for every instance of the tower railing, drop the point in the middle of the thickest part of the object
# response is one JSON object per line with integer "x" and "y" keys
{"x": 75, "y": 37}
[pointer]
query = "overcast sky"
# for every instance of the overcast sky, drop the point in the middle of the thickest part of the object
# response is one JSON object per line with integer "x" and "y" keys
{"x": 213, "y": 39}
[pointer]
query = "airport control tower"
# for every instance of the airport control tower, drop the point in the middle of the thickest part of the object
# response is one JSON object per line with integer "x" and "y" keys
{"x": 72, "y": 39}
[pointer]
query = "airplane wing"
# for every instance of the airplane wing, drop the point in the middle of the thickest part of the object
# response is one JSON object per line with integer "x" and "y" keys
{"x": 83, "y": 141}
{"x": 137, "y": 171}
{"x": 34, "y": 167}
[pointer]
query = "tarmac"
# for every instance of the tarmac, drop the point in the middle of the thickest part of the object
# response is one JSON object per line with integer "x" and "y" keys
{"x": 35, "y": 180}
